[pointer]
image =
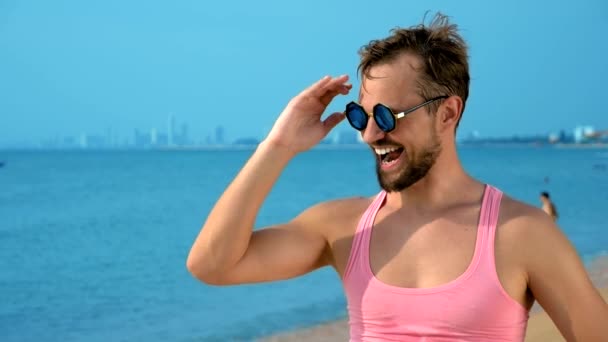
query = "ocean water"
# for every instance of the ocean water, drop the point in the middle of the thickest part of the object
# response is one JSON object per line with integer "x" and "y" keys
{"x": 93, "y": 244}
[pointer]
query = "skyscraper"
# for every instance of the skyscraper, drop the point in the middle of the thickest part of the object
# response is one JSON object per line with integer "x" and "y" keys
{"x": 183, "y": 136}
{"x": 153, "y": 136}
{"x": 171, "y": 130}
{"x": 219, "y": 135}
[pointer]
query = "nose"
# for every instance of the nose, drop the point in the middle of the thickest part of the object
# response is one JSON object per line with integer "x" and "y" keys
{"x": 372, "y": 132}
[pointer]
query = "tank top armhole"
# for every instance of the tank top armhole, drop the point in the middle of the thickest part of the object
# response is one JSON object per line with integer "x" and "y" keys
{"x": 493, "y": 227}
{"x": 357, "y": 244}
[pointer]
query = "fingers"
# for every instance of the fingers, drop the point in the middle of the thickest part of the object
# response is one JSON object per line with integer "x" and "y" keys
{"x": 327, "y": 84}
{"x": 318, "y": 86}
{"x": 336, "y": 86}
{"x": 331, "y": 121}
{"x": 343, "y": 89}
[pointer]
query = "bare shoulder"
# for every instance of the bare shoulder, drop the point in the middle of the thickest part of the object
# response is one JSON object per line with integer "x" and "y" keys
{"x": 526, "y": 235}
{"x": 537, "y": 254}
{"x": 337, "y": 222}
{"x": 331, "y": 215}
{"x": 521, "y": 220}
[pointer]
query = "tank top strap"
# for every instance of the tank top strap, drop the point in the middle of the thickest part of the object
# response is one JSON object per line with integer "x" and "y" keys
{"x": 488, "y": 220}
{"x": 492, "y": 209}
{"x": 359, "y": 251}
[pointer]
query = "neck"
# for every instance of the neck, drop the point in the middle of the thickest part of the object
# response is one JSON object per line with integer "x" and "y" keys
{"x": 445, "y": 184}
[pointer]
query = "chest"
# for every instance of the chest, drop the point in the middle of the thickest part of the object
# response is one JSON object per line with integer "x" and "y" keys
{"x": 419, "y": 252}
{"x": 411, "y": 252}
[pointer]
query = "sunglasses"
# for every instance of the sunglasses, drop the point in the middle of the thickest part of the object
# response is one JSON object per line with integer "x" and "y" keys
{"x": 385, "y": 118}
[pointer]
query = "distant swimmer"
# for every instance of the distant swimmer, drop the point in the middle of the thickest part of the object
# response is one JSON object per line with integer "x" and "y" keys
{"x": 548, "y": 205}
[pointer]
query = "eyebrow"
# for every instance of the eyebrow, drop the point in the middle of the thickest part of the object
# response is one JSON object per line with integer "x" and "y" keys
{"x": 362, "y": 95}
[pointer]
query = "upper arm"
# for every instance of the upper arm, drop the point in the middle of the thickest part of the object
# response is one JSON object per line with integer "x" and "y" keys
{"x": 284, "y": 251}
{"x": 559, "y": 281}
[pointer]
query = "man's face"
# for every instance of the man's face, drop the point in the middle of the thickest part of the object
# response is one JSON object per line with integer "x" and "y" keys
{"x": 406, "y": 154}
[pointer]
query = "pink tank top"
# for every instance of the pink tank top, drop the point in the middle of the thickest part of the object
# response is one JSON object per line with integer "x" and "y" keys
{"x": 473, "y": 307}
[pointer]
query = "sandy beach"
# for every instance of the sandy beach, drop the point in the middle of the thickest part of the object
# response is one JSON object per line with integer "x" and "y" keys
{"x": 540, "y": 326}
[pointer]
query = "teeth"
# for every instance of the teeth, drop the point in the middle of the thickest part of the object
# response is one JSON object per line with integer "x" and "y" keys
{"x": 382, "y": 151}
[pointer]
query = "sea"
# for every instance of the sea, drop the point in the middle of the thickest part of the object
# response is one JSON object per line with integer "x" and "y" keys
{"x": 93, "y": 244}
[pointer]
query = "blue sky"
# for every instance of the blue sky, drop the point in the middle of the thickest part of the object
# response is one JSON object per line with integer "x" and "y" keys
{"x": 68, "y": 67}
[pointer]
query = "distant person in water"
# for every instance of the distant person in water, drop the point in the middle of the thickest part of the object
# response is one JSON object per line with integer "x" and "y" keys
{"x": 548, "y": 205}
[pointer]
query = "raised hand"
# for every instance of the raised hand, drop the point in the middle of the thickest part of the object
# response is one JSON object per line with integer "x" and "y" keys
{"x": 299, "y": 127}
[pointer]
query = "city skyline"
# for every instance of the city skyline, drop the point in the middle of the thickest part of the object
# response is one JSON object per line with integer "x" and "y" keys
{"x": 176, "y": 135}
{"x": 73, "y": 67}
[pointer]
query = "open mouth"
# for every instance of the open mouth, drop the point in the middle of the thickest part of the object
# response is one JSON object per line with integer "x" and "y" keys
{"x": 388, "y": 156}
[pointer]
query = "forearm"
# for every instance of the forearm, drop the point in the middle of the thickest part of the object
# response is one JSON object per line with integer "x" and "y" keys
{"x": 225, "y": 236}
{"x": 224, "y": 243}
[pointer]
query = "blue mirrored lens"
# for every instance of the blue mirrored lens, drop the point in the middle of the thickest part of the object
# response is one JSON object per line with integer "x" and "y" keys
{"x": 356, "y": 116}
{"x": 384, "y": 118}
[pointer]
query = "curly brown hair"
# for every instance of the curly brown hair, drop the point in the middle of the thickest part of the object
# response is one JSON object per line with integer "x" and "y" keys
{"x": 441, "y": 49}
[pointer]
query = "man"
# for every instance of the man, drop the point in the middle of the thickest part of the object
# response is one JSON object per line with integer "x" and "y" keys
{"x": 548, "y": 206}
{"x": 437, "y": 255}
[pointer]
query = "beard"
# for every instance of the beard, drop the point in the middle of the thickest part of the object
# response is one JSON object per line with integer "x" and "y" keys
{"x": 417, "y": 166}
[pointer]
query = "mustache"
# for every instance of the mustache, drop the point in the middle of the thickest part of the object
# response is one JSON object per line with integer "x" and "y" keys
{"x": 385, "y": 142}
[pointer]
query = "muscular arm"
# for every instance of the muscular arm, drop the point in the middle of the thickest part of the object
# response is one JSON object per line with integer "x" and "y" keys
{"x": 560, "y": 283}
{"x": 227, "y": 250}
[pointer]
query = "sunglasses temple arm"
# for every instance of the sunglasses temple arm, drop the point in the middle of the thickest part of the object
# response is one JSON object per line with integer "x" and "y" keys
{"x": 402, "y": 114}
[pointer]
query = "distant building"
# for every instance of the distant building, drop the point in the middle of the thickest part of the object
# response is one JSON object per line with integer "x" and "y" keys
{"x": 219, "y": 135}
{"x": 563, "y": 137}
{"x": 153, "y": 137}
{"x": 97, "y": 141}
{"x": 162, "y": 140}
{"x": 87, "y": 141}
{"x": 474, "y": 135}
{"x": 184, "y": 139}
{"x": 171, "y": 130}
{"x": 141, "y": 140}
{"x": 554, "y": 138}
{"x": 70, "y": 142}
{"x": 347, "y": 137}
{"x": 560, "y": 138}
{"x": 581, "y": 133}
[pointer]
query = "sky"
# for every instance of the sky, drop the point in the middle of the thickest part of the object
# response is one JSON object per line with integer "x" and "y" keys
{"x": 69, "y": 67}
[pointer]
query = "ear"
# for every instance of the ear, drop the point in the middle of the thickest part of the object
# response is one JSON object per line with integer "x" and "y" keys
{"x": 449, "y": 113}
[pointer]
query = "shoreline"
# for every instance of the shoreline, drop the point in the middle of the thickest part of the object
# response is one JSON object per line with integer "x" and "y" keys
{"x": 320, "y": 146}
{"x": 540, "y": 327}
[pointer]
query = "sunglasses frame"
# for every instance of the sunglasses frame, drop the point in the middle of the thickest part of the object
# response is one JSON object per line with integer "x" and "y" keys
{"x": 396, "y": 116}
